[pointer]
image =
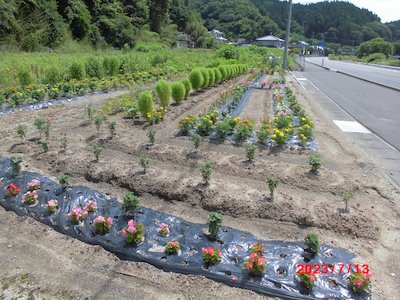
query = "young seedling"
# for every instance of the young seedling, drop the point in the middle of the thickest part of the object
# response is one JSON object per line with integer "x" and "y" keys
{"x": 206, "y": 171}
{"x": 64, "y": 142}
{"x": 21, "y": 131}
{"x": 64, "y": 181}
{"x": 272, "y": 184}
{"x": 16, "y": 164}
{"x": 151, "y": 134}
{"x": 46, "y": 129}
{"x": 312, "y": 243}
{"x": 98, "y": 121}
{"x": 197, "y": 141}
{"x": 144, "y": 163}
{"x": 39, "y": 124}
{"x": 347, "y": 196}
{"x": 214, "y": 224}
{"x": 130, "y": 203}
{"x": 250, "y": 151}
{"x": 112, "y": 126}
{"x": 96, "y": 151}
{"x": 89, "y": 112}
{"x": 45, "y": 146}
{"x": 315, "y": 161}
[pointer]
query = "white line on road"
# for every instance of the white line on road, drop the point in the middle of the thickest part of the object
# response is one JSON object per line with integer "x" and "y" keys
{"x": 351, "y": 126}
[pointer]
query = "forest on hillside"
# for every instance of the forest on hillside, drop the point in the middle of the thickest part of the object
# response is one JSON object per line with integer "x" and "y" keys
{"x": 32, "y": 25}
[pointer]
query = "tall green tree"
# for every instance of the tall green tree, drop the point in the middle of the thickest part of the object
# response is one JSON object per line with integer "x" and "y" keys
{"x": 158, "y": 14}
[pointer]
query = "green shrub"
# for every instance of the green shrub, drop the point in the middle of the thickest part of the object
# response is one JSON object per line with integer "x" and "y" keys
{"x": 164, "y": 92}
{"x": 196, "y": 140}
{"x": 188, "y": 87}
{"x": 130, "y": 202}
{"x": 211, "y": 76}
{"x": 206, "y": 78}
{"x": 151, "y": 134}
{"x": 53, "y": 76}
{"x": 98, "y": 121}
{"x": 64, "y": 181}
{"x": 206, "y": 171}
{"x": 375, "y": 57}
{"x": 111, "y": 66}
{"x": 214, "y": 224}
{"x": 76, "y": 71}
{"x": 224, "y": 72}
{"x": 16, "y": 162}
{"x": 94, "y": 68}
{"x": 145, "y": 103}
{"x": 25, "y": 77}
{"x": 144, "y": 163}
{"x": 250, "y": 151}
{"x": 112, "y": 127}
{"x": 228, "y": 52}
{"x": 45, "y": 146}
{"x": 196, "y": 79}
{"x": 217, "y": 75}
{"x": 178, "y": 91}
{"x": 96, "y": 151}
{"x": 272, "y": 184}
{"x": 21, "y": 130}
{"x": 312, "y": 242}
{"x": 315, "y": 161}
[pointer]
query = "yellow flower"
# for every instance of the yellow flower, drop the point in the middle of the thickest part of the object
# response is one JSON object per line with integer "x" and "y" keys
{"x": 303, "y": 119}
{"x": 281, "y": 134}
{"x": 210, "y": 122}
{"x": 304, "y": 137}
{"x": 274, "y": 136}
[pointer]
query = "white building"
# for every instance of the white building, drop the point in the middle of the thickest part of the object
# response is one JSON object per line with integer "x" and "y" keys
{"x": 270, "y": 41}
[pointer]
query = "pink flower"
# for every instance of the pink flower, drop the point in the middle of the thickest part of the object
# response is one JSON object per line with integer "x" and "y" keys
{"x": 124, "y": 233}
{"x": 234, "y": 278}
{"x": 204, "y": 250}
{"x": 261, "y": 261}
{"x": 109, "y": 221}
{"x": 210, "y": 251}
{"x": 131, "y": 223}
{"x": 367, "y": 276}
{"x": 91, "y": 206}
{"x": 358, "y": 283}
{"x": 312, "y": 278}
{"x": 249, "y": 265}
{"x": 131, "y": 229}
{"x": 253, "y": 256}
{"x": 219, "y": 252}
{"x": 99, "y": 219}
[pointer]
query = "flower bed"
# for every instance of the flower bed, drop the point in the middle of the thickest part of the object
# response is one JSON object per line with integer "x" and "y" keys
{"x": 233, "y": 250}
{"x": 291, "y": 127}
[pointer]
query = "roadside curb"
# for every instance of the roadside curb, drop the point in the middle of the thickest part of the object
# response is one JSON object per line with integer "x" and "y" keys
{"x": 357, "y": 77}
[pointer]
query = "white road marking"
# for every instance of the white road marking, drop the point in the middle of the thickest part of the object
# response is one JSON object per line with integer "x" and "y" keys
{"x": 351, "y": 126}
{"x": 301, "y": 78}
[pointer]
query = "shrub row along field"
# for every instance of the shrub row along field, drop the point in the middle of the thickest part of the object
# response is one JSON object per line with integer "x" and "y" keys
{"x": 30, "y": 78}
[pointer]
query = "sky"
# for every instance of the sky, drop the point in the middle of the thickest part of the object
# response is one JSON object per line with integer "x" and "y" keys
{"x": 387, "y": 10}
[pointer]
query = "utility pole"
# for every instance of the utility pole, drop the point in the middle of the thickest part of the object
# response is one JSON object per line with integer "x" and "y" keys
{"x": 285, "y": 56}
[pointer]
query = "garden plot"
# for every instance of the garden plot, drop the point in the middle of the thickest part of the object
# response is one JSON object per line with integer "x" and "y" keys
{"x": 303, "y": 202}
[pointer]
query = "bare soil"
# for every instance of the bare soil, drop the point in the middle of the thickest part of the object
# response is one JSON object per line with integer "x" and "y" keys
{"x": 37, "y": 262}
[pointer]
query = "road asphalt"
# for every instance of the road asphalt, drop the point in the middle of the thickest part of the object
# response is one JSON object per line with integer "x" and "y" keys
{"x": 374, "y": 106}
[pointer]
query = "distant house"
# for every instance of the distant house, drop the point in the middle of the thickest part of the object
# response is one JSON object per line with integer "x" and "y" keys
{"x": 183, "y": 40}
{"x": 218, "y": 35}
{"x": 270, "y": 41}
{"x": 301, "y": 45}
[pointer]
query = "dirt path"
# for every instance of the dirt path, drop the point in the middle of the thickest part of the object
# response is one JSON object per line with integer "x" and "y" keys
{"x": 259, "y": 105}
{"x": 57, "y": 267}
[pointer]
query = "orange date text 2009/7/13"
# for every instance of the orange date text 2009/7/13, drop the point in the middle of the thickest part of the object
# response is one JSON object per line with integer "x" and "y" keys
{"x": 332, "y": 268}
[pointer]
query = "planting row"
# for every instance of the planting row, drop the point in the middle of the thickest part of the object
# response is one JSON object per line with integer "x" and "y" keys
{"x": 221, "y": 253}
{"x": 291, "y": 126}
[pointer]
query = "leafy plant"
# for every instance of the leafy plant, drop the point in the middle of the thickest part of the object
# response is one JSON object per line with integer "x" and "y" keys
{"x": 223, "y": 71}
{"x": 196, "y": 141}
{"x": 144, "y": 163}
{"x": 130, "y": 202}
{"x": 64, "y": 141}
{"x": 347, "y": 196}
{"x": 211, "y": 76}
{"x": 272, "y": 185}
{"x": 211, "y": 256}
{"x": 133, "y": 232}
{"x": 214, "y": 224}
{"x": 64, "y": 181}
{"x": 315, "y": 161}
{"x": 172, "y": 247}
{"x": 21, "y": 130}
{"x": 244, "y": 129}
{"x": 112, "y": 127}
{"x": 187, "y": 123}
{"x": 188, "y": 87}
{"x": 359, "y": 281}
{"x": 224, "y": 128}
{"x": 312, "y": 243}
{"x": 307, "y": 279}
{"x": 46, "y": 129}
{"x": 98, "y": 121}
{"x": 250, "y": 151}
{"x": 164, "y": 92}
{"x": 89, "y": 112}
{"x": 39, "y": 124}
{"x": 76, "y": 71}
{"x": 254, "y": 264}
{"x": 151, "y": 134}
{"x": 196, "y": 79}
{"x": 145, "y": 103}
{"x": 206, "y": 171}
{"x": 206, "y": 77}
{"x": 16, "y": 164}
{"x": 97, "y": 151}
{"x": 45, "y": 146}
{"x": 217, "y": 75}
{"x": 178, "y": 91}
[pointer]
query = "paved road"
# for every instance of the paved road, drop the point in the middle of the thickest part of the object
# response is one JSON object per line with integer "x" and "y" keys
{"x": 385, "y": 76}
{"x": 350, "y": 99}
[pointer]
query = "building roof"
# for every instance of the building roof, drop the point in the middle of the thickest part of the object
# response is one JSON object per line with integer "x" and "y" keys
{"x": 270, "y": 38}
